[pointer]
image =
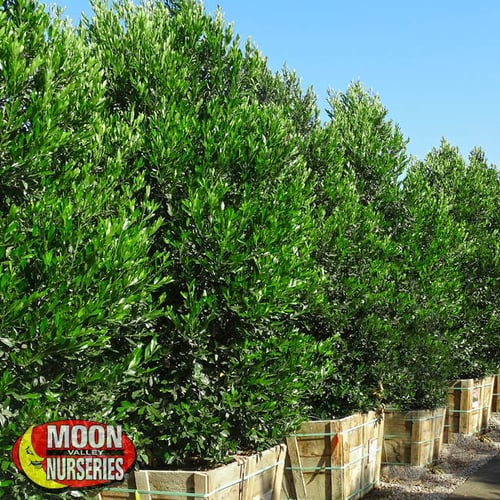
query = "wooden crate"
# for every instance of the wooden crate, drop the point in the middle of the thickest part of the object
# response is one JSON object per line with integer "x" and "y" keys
{"x": 469, "y": 407}
{"x": 412, "y": 437}
{"x": 334, "y": 459}
{"x": 495, "y": 402}
{"x": 256, "y": 477}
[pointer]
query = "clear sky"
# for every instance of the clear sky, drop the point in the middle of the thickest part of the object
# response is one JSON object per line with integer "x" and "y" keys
{"x": 434, "y": 63}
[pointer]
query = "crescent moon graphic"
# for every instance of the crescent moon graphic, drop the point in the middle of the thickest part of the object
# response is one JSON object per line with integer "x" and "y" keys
{"x": 32, "y": 463}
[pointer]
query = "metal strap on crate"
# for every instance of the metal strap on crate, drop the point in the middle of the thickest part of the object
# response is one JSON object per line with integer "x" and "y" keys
{"x": 479, "y": 408}
{"x": 454, "y": 388}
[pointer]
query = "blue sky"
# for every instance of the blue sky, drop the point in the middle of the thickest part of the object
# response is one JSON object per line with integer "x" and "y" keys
{"x": 434, "y": 63}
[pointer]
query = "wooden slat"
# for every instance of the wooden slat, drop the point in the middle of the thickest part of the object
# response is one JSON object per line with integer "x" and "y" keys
{"x": 248, "y": 484}
{"x": 142, "y": 484}
{"x": 278, "y": 473}
{"x": 168, "y": 481}
{"x": 201, "y": 483}
{"x": 486, "y": 401}
{"x": 495, "y": 400}
{"x": 296, "y": 465}
{"x": 336, "y": 459}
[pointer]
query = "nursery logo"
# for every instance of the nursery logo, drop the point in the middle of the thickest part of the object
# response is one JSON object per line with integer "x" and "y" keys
{"x": 73, "y": 454}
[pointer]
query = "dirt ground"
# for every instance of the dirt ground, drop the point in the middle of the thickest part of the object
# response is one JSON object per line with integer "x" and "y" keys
{"x": 457, "y": 462}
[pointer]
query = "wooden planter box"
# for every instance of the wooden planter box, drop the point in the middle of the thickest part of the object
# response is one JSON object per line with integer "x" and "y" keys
{"x": 334, "y": 459}
{"x": 412, "y": 437}
{"x": 495, "y": 404}
{"x": 469, "y": 407}
{"x": 254, "y": 477}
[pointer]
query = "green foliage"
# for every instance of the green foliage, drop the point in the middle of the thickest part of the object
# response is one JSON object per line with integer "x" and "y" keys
{"x": 357, "y": 157}
{"x": 185, "y": 248}
{"x": 223, "y": 158}
{"x": 47, "y": 104}
{"x": 78, "y": 272}
{"x": 471, "y": 191}
{"x": 430, "y": 244}
{"x": 370, "y": 145}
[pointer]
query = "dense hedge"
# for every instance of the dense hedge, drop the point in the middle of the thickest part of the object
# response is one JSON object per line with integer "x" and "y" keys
{"x": 186, "y": 249}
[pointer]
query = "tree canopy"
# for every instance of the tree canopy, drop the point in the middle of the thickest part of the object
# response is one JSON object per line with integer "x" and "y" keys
{"x": 188, "y": 250}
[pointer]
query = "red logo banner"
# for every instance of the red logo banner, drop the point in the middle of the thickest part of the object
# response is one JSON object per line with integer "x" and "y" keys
{"x": 73, "y": 454}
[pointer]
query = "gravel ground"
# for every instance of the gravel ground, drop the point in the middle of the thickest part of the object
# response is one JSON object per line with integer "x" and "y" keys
{"x": 457, "y": 462}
